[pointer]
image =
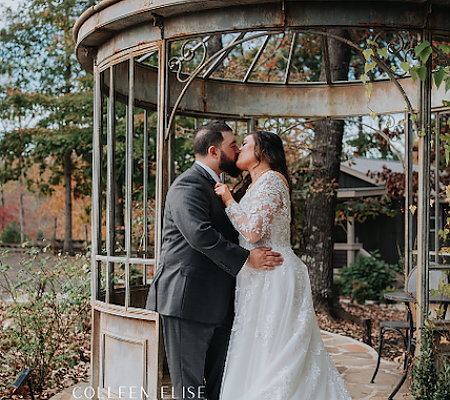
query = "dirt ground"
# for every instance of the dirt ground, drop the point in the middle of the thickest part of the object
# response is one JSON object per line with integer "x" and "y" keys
{"x": 393, "y": 348}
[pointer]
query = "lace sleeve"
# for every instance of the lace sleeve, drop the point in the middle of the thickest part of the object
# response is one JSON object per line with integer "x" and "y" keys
{"x": 252, "y": 222}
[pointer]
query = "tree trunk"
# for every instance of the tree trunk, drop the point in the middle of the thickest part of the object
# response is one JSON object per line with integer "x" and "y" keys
{"x": 3, "y": 208}
{"x": 55, "y": 228}
{"x": 317, "y": 241}
{"x": 68, "y": 242}
{"x": 320, "y": 211}
{"x": 21, "y": 206}
{"x": 22, "y": 212}
{"x": 214, "y": 45}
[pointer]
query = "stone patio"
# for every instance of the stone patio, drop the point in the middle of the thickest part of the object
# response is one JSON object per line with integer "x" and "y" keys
{"x": 355, "y": 361}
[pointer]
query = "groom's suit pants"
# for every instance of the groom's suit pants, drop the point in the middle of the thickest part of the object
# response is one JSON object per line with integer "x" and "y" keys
{"x": 196, "y": 354}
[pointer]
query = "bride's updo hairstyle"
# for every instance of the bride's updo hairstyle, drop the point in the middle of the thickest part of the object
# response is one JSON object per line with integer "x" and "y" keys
{"x": 268, "y": 147}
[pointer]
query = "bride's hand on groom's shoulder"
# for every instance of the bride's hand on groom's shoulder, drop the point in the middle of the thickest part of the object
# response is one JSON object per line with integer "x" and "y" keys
{"x": 263, "y": 258}
{"x": 224, "y": 193}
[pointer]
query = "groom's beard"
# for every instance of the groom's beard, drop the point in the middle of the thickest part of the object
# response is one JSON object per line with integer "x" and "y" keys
{"x": 228, "y": 165}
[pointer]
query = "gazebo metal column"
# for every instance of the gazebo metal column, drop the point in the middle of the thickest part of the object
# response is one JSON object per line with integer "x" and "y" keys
{"x": 409, "y": 134}
{"x": 96, "y": 236}
{"x": 161, "y": 143}
{"x": 423, "y": 209}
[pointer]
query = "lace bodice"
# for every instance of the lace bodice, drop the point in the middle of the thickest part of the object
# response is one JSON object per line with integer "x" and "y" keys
{"x": 263, "y": 215}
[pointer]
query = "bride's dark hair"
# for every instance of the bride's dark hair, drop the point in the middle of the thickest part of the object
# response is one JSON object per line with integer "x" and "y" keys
{"x": 269, "y": 148}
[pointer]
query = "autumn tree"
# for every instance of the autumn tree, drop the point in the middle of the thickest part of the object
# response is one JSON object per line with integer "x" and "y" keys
{"x": 17, "y": 110}
{"x": 38, "y": 57}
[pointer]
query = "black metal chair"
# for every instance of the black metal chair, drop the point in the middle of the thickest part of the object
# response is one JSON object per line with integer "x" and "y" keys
{"x": 406, "y": 328}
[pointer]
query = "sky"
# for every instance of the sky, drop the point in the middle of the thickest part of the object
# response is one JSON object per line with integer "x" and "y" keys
{"x": 9, "y": 3}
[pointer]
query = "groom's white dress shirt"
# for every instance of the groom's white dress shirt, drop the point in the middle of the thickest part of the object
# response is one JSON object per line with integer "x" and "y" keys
{"x": 209, "y": 170}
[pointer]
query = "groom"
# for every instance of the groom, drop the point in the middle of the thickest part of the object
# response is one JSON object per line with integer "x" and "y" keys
{"x": 193, "y": 288}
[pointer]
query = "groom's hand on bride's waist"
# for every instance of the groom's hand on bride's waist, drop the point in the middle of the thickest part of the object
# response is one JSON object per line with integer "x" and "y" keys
{"x": 263, "y": 258}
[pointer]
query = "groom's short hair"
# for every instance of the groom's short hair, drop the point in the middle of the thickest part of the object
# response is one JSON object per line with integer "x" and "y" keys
{"x": 209, "y": 135}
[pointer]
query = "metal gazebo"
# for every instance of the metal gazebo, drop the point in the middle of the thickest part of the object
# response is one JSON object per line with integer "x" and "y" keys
{"x": 129, "y": 47}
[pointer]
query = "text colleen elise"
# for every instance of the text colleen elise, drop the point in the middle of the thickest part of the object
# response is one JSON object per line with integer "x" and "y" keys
{"x": 135, "y": 392}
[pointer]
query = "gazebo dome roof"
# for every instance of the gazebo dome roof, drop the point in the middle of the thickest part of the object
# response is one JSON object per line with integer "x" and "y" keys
{"x": 113, "y": 28}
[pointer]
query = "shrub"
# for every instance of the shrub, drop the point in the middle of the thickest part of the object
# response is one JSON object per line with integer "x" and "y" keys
{"x": 49, "y": 310}
{"x": 11, "y": 233}
{"x": 337, "y": 287}
{"x": 367, "y": 278}
{"x": 427, "y": 383}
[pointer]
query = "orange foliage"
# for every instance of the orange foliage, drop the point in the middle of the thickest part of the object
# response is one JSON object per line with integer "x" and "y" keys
{"x": 10, "y": 198}
{"x": 51, "y": 214}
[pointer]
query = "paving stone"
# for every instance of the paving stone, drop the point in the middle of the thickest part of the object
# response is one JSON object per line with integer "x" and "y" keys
{"x": 363, "y": 376}
{"x": 355, "y": 348}
{"x": 333, "y": 350}
{"x": 352, "y": 362}
{"x": 356, "y": 354}
{"x": 342, "y": 369}
{"x": 359, "y": 392}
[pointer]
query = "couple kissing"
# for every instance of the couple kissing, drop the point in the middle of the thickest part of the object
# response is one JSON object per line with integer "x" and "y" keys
{"x": 234, "y": 300}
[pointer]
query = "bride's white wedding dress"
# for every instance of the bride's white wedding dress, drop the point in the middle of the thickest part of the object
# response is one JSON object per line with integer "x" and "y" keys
{"x": 276, "y": 351}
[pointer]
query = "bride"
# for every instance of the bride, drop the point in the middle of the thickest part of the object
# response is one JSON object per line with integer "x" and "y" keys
{"x": 276, "y": 351}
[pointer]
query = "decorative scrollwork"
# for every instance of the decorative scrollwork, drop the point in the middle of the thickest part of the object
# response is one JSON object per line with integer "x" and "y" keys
{"x": 186, "y": 55}
{"x": 400, "y": 44}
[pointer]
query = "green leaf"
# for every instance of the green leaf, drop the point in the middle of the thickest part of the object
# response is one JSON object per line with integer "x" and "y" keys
{"x": 394, "y": 68}
{"x": 447, "y": 84}
{"x": 367, "y": 53}
{"x": 421, "y": 133}
{"x": 368, "y": 90}
{"x": 445, "y": 48}
{"x": 421, "y": 47}
{"x": 425, "y": 55}
{"x": 373, "y": 114}
{"x": 405, "y": 66}
{"x": 373, "y": 43}
{"x": 4, "y": 268}
{"x": 438, "y": 77}
{"x": 383, "y": 52}
{"x": 368, "y": 67}
{"x": 364, "y": 78}
{"x": 420, "y": 72}
{"x": 414, "y": 117}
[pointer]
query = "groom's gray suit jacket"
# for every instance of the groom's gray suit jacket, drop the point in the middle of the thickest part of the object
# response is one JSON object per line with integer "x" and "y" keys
{"x": 200, "y": 259}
